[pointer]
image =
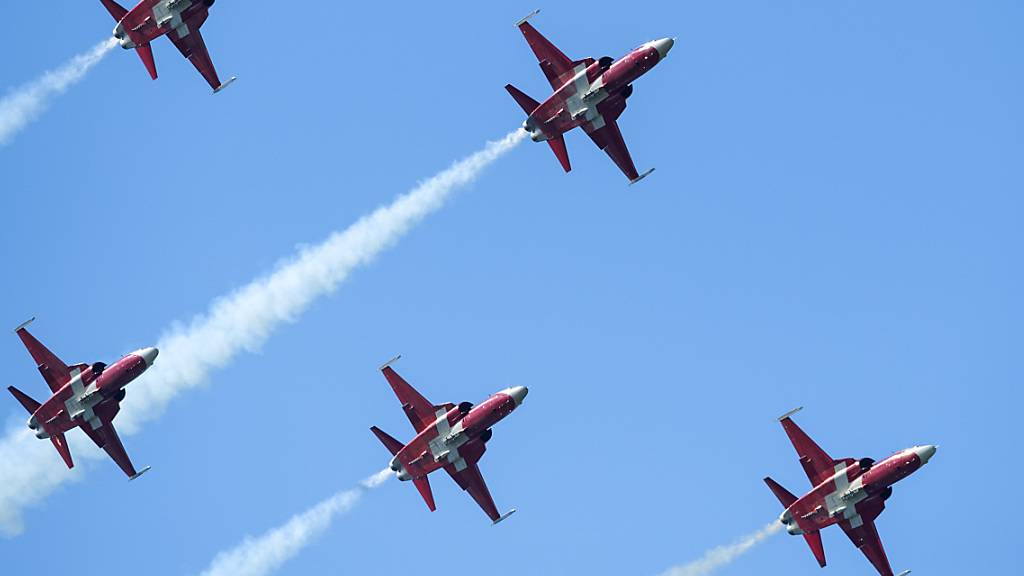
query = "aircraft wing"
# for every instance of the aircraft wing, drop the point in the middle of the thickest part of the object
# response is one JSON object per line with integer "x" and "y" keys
{"x": 609, "y": 138}
{"x": 190, "y": 43}
{"x": 54, "y": 370}
{"x": 865, "y": 537}
{"x": 817, "y": 464}
{"x": 417, "y": 408}
{"x": 471, "y": 480}
{"x": 557, "y": 67}
{"x": 101, "y": 430}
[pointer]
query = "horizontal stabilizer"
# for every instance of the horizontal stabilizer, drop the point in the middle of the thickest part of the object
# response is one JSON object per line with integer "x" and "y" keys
{"x": 784, "y": 496}
{"x": 61, "y": 444}
{"x": 393, "y": 446}
{"x": 904, "y": 573}
{"x": 817, "y": 548}
{"x": 558, "y": 147}
{"x": 146, "y": 53}
{"x": 115, "y": 9}
{"x": 505, "y": 515}
{"x": 525, "y": 102}
{"x": 25, "y": 400}
{"x": 423, "y": 485}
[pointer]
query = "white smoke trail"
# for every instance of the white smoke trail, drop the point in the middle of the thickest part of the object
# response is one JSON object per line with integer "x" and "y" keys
{"x": 263, "y": 555}
{"x": 243, "y": 320}
{"x": 23, "y": 105}
{"x": 722, "y": 555}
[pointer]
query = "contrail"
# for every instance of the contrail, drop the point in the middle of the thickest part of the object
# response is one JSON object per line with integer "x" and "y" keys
{"x": 23, "y": 105}
{"x": 240, "y": 321}
{"x": 721, "y": 556}
{"x": 263, "y": 555}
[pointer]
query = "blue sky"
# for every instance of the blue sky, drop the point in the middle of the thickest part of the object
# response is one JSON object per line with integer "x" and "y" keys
{"x": 835, "y": 222}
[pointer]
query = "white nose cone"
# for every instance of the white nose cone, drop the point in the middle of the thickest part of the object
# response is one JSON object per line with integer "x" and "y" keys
{"x": 147, "y": 354}
{"x": 925, "y": 453}
{"x": 663, "y": 46}
{"x": 518, "y": 393}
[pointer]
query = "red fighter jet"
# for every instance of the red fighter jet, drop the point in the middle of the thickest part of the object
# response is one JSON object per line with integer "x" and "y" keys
{"x": 447, "y": 436}
{"x": 84, "y": 396}
{"x": 588, "y": 93}
{"x": 848, "y": 492}
{"x": 180, "y": 20}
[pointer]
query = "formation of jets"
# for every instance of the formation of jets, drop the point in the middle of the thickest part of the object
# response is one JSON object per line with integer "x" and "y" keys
{"x": 588, "y": 93}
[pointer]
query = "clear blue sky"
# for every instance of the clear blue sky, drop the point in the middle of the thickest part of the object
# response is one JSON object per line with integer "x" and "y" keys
{"x": 835, "y": 222}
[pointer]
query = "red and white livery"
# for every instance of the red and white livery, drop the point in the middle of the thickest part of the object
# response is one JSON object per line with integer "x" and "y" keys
{"x": 847, "y": 492}
{"x": 448, "y": 436}
{"x": 180, "y": 20}
{"x": 588, "y": 93}
{"x": 86, "y": 396}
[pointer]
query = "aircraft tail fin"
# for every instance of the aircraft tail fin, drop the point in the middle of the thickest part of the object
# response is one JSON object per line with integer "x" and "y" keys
{"x": 817, "y": 548}
{"x": 393, "y": 446}
{"x": 558, "y": 147}
{"x": 525, "y": 102}
{"x": 61, "y": 444}
{"x": 146, "y": 53}
{"x": 423, "y": 485}
{"x": 784, "y": 496}
{"x": 25, "y": 400}
{"x": 115, "y": 9}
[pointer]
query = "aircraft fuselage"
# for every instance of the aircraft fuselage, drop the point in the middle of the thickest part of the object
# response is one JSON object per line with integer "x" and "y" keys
{"x": 856, "y": 484}
{"x": 151, "y": 19}
{"x": 595, "y": 92}
{"x": 89, "y": 388}
{"x": 454, "y": 434}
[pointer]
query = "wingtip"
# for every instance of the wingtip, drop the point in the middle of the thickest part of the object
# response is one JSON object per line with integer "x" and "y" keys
{"x": 527, "y": 17}
{"x": 641, "y": 177}
{"x": 24, "y": 324}
{"x": 140, "y": 473}
{"x": 225, "y": 84}
{"x": 504, "y": 516}
{"x": 390, "y": 362}
{"x": 790, "y": 413}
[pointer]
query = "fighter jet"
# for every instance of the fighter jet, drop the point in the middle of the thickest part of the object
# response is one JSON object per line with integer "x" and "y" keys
{"x": 180, "y": 20}
{"x": 588, "y": 93}
{"x": 447, "y": 436}
{"x": 85, "y": 396}
{"x": 848, "y": 492}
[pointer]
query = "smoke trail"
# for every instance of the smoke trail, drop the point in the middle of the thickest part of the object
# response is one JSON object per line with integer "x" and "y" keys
{"x": 241, "y": 321}
{"x": 264, "y": 555}
{"x": 23, "y": 105}
{"x": 722, "y": 555}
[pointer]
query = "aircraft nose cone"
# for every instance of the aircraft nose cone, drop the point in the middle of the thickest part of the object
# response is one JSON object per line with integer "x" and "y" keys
{"x": 148, "y": 354}
{"x": 925, "y": 453}
{"x": 663, "y": 46}
{"x": 518, "y": 394}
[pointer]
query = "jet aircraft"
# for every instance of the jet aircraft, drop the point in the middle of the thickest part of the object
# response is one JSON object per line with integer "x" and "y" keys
{"x": 84, "y": 396}
{"x": 180, "y": 20}
{"x": 588, "y": 93}
{"x": 848, "y": 492}
{"x": 448, "y": 436}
